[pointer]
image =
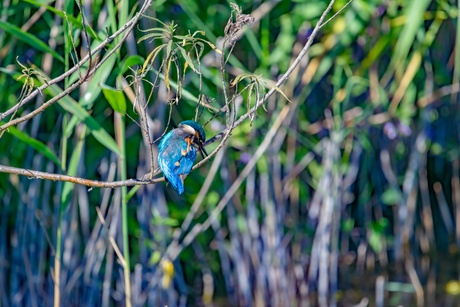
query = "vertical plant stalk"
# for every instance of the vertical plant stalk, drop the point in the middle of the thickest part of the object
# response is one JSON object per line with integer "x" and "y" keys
{"x": 120, "y": 138}
{"x": 65, "y": 194}
{"x": 454, "y": 97}
{"x": 456, "y": 77}
{"x": 456, "y": 198}
{"x": 57, "y": 262}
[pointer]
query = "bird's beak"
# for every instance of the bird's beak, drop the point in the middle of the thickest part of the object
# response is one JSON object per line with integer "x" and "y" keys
{"x": 203, "y": 151}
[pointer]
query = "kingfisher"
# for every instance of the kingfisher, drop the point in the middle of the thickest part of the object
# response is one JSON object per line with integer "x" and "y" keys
{"x": 177, "y": 152}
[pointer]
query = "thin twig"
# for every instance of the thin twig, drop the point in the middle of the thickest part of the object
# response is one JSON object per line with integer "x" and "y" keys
{"x": 338, "y": 12}
{"x": 88, "y": 45}
{"x": 74, "y": 60}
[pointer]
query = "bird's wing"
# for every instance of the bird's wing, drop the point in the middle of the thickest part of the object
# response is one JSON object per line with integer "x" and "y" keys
{"x": 178, "y": 155}
{"x": 185, "y": 163}
{"x": 176, "y": 158}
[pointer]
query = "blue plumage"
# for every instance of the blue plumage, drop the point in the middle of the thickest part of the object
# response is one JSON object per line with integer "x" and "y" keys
{"x": 177, "y": 152}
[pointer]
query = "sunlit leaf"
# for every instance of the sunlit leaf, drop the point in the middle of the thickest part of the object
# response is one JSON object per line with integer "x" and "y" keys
{"x": 375, "y": 241}
{"x": 129, "y": 62}
{"x": 187, "y": 58}
{"x": 155, "y": 258}
{"x": 152, "y": 56}
{"x": 166, "y": 73}
{"x": 391, "y": 197}
{"x": 453, "y": 287}
{"x": 151, "y": 35}
{"x": 116, "y": 98}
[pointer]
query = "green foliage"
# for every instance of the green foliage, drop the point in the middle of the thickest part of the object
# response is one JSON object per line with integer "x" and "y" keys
{"x": 377, "y": 234}
{"x": 29, "y": 39}
{"x": 369, "y": 148}
{"x": 392, "y": 196}
{"x": 115, "y": 98}
{"x": 35, "y": 144}
{"x": 172, "y": 44}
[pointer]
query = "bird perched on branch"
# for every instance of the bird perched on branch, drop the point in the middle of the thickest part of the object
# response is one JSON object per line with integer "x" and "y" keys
{"x": 177, "y": 152}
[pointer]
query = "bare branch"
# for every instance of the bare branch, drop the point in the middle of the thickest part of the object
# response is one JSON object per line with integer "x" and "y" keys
{"x": 89, "y": 183}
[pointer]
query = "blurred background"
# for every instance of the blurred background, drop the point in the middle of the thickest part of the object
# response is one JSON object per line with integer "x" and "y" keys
{"x": 355, "y": 200}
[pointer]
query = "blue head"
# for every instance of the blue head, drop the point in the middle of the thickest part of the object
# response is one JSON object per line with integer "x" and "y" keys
{"x": 198, "y": 132}
{"x": 177, "y": 152}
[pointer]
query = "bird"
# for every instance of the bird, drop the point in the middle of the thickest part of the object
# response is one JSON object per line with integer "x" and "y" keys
{"x": 177, "y": 152}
